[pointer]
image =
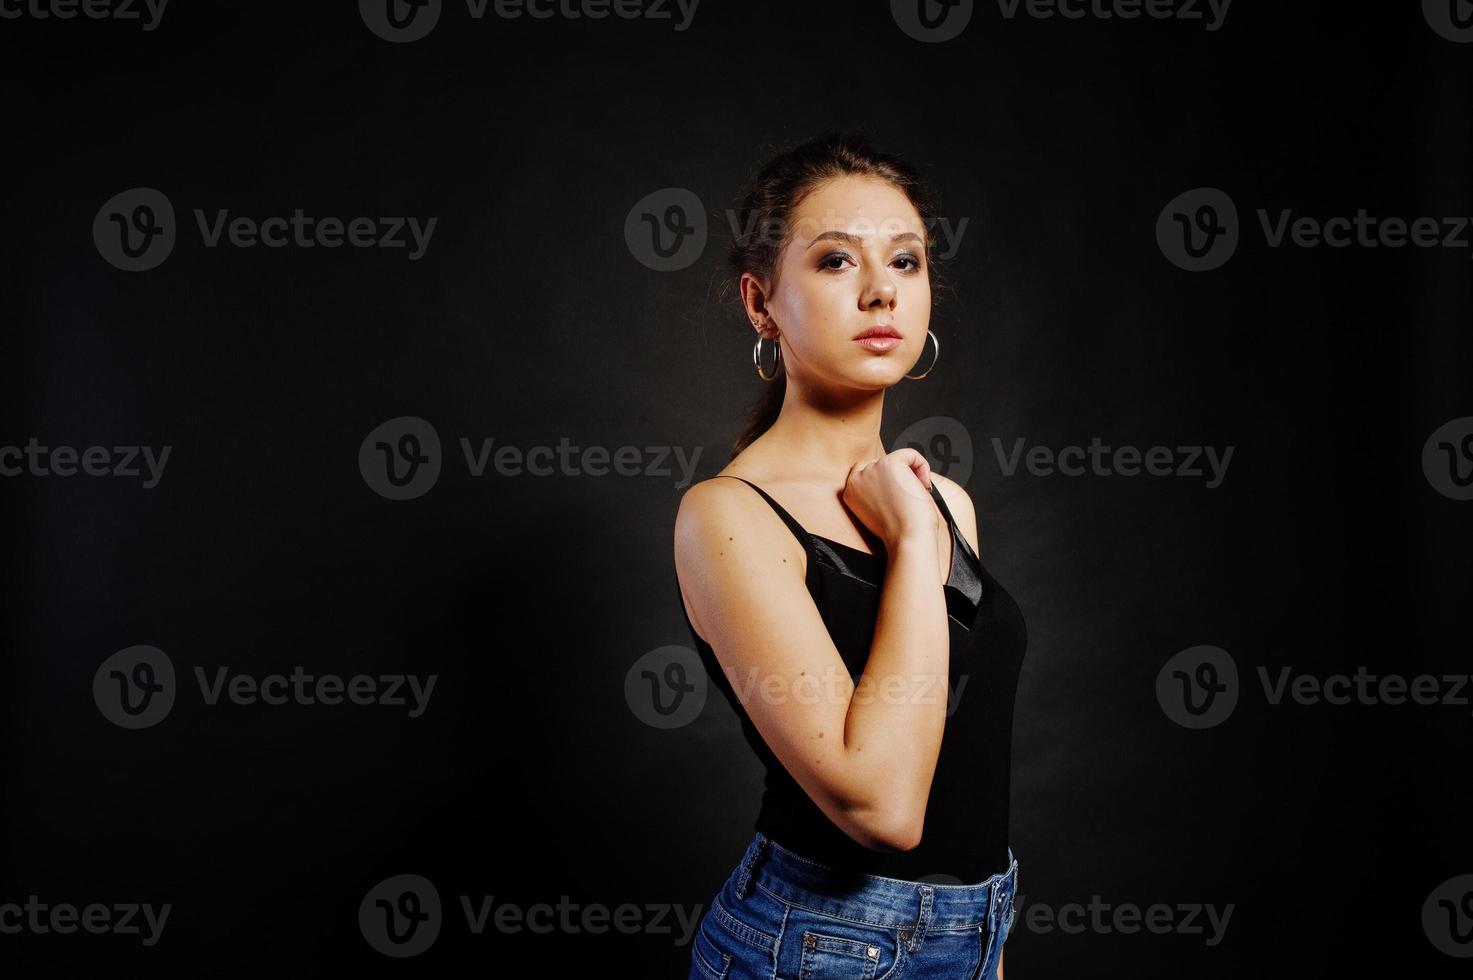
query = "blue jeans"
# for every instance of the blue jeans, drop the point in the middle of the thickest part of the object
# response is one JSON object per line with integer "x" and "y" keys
{"x": 781, "y": 916}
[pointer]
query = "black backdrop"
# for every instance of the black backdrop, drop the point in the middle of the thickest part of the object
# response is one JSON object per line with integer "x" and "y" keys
{"x": 541, "y": 768}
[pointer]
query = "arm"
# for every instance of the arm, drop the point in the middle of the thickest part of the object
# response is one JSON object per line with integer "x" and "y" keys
{"x": 865, "y": 756}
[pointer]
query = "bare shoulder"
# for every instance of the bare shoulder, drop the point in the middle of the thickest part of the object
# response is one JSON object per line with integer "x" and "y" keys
{"x": 729, "y": 544}
{"x": 711, "y": 504}
{"x": 721, "y": 516}
{"x": 959, "y": 502}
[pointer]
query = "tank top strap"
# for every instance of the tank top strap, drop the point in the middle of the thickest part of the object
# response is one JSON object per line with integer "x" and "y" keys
{"x": 788, "y": 519}
{"x": 956, "y": 531}
{"x": 941, "y": 502}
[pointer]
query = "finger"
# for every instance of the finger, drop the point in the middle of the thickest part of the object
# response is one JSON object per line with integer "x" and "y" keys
{"x": 918, "y": 465}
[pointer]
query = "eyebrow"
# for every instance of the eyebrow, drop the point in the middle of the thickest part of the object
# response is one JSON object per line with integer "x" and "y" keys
{"x": 844, "y": 236}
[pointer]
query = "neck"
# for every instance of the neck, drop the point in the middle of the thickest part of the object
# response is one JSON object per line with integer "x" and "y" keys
{"x": 828, "y": 434}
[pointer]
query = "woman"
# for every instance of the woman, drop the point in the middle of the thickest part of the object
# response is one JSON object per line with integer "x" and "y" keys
{"x": 835, "y": 596}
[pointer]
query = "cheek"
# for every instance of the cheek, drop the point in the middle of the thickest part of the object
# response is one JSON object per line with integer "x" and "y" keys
{"x": 822, "y": 309}
{"x": 918, "y": 298}
{"x": 808, "y": 298}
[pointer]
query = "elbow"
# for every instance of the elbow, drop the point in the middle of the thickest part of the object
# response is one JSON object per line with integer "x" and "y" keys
{"x": 886, "y": 823}
{"x": 909, "y": 840}
{"x": 901, "y": 832}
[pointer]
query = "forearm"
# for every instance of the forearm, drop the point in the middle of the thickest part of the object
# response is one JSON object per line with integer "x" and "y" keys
{"x": 898, "y": 711}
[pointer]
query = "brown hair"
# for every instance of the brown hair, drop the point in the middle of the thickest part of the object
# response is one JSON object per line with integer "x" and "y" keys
{"x": 779, "y": 187}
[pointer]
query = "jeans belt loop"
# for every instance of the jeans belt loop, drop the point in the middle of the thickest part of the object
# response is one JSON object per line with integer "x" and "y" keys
{"x": 744, "y": 879}
{"x": 923, "y": 919}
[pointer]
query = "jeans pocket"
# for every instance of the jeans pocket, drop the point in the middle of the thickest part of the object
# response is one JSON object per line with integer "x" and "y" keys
{"x": 707, "y": 962}
{"x": 831, "y": 948}
{"x": 733, "y": 941}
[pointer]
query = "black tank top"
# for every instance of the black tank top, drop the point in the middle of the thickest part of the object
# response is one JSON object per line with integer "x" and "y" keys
{"x": 966, "y": 827}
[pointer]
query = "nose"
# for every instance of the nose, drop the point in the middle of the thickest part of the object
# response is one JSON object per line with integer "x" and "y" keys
{"x": 878, "y": 290}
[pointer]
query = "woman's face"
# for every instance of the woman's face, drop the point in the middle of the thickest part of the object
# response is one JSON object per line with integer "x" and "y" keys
{"x": 856, "y": 260}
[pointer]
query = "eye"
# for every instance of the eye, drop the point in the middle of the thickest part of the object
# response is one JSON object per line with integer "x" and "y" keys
{"x": 834, "y": 261}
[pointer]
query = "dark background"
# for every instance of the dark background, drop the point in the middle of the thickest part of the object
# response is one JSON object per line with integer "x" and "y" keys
{"x": 528, "y": 320}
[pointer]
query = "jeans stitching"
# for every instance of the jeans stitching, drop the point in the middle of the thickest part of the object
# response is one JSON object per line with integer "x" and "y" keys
{"x": 794, "y": 903}
{"x": 706, "y": 966}
{"x": 742, "y": 931}
{"x": 804, "y": 958}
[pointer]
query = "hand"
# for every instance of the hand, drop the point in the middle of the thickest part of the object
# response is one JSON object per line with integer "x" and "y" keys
{"x": 892, "y": 496}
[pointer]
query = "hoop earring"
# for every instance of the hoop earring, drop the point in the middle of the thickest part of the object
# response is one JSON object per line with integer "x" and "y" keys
{"x": 777, "y": 357}
{"x": 934, "y": 358}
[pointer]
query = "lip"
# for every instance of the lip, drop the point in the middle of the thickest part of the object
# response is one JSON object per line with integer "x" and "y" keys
{"x": 881, "y": 338}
